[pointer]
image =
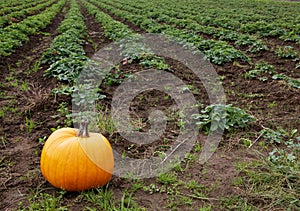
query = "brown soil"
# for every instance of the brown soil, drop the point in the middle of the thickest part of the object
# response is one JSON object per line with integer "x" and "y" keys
{"x": 20, "y": 146}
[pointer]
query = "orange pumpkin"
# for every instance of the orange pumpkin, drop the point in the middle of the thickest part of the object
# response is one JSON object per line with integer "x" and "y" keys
{"x": 75, "y": 160}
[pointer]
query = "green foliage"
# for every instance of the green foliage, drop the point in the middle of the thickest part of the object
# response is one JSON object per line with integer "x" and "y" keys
{"x": 66, "y": 55}
{"x": 291, "y": 81}
{"x": 154, "y": 62}
{"x": 22, "y": 11}
{"x": 271, "y": 136}
{"x": 44, "y": 201}
{"x": 221, "y": 53}
{"x": 167, "y": 178}
{"x": 274, "y": 178}
{"x": 66, "y": 69}
{"x": 103, "y": 199}
{"x": 14, "y": 35}
{"x": 260, "y": 71}
{"x": 286, "y": 52}
{"x": 217, "y": 52}
{"x": 131, "y": 46}
{"x": 222, "y": 117}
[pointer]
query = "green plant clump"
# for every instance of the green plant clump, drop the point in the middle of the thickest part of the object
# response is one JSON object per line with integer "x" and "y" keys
{"x": 222, "y": 117}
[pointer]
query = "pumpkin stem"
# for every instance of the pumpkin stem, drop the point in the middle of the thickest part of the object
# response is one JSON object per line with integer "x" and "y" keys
{"x": 83, "y": 131}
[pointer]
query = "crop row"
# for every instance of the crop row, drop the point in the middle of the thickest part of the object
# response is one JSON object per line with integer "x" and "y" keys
{"x": 263, "y": 19}
{"x": 132, "y": 49}
{"x": 14, "y": 35}
{"x": 182, "y": 20}
{"x": 185, "y": 21}
{"x": 7, "y": 4}
{"x": 22, "y": 13}
{"x": 9, "y": 9}
{"x": 66, "y": 56}
{"x": 218, "y": 52}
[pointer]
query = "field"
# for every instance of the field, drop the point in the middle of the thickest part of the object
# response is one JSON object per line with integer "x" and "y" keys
{"x": 252, "y": 51}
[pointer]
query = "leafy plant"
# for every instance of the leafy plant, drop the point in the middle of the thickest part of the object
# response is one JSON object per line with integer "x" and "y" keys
{"x": 44, "y": 201}
{"x": 286, "y": 52}
{"x": 66, "y": 55}
{"x": 260, "y": 70}
{"x": 220, "y": 117}
{"x": 292, "y": 82}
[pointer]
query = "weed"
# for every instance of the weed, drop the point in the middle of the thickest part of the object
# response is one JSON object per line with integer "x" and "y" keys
{"x": 167, "y": 178}
{"x": 19, "y": 63}
{"x": 44, "y": 201}
{"x": 271, "y": 181}
{"x": 105, "y": 121}
{"x": 34, "y": 68}
{"x": 3, "y": 141}
{"x": 5, "y": 162}
{"x": 271, "y": 104}
{"x": 290, "y": 81}
{"x": 236, "y": 203}
{"x": 206, "y": 208}
{"x": 63, "y": 111}
{"x": 43, "y": 139}
{"x": 193, "y": 185}
{"x": 152, "y": 188}
{"x": 197, "y": 147}
{"x": 260, "y": 70}
{"x": 103, "y": 199}
{"x": 24, "y": 86}
{"x": 3, "y": 110}
{"x": 29, "y": 124}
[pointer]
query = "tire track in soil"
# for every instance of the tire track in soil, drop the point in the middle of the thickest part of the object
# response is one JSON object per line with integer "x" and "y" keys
{"x": 36, "y": 104}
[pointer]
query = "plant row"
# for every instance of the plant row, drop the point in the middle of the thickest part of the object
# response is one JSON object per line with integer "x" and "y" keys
{"x": 23, "y": 13}
{"x": 218, "y": 52}
{"x": 243, "y": 16}
{"x": 6, "y": 4}
{"x": 182, "y": 20}
{"x": 139, "y": 52}
{"x": 178, "y": 19}
{"x": 263, "y": 71}
{"x": 131, "y": 49}
{"x": 25, "y": 4}
{"x": 66, "y": 55}
{"x": 16, "y": 34}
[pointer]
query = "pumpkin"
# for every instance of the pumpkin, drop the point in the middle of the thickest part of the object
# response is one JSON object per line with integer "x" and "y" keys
{"x": 75, "y": 160}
